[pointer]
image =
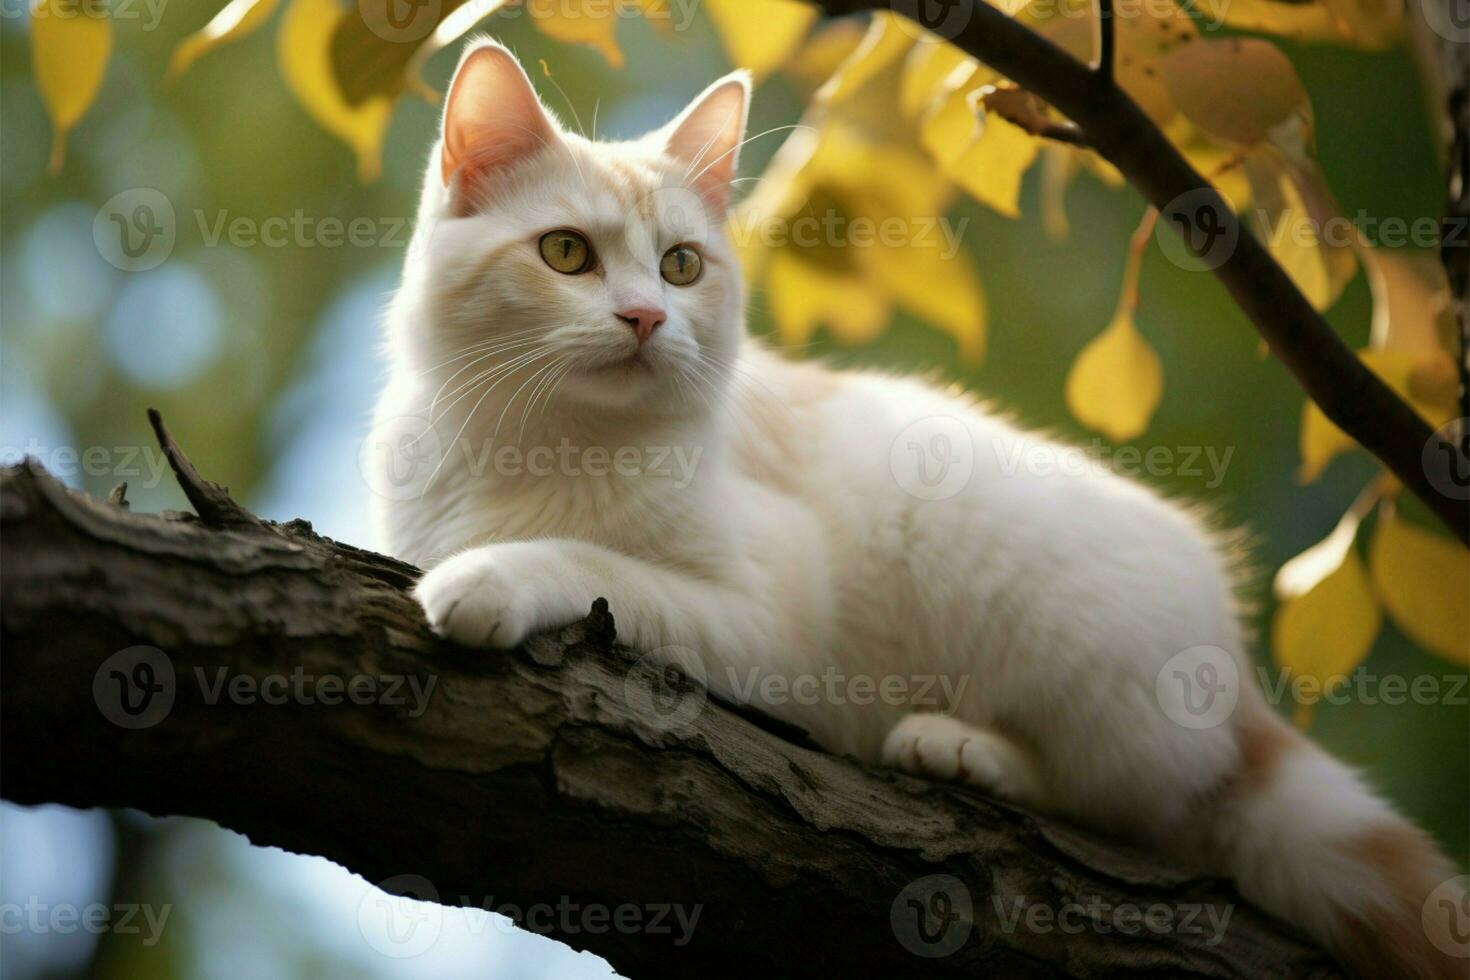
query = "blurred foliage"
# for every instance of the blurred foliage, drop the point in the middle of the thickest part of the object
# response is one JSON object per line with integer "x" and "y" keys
{"x": 1062, "y": 301}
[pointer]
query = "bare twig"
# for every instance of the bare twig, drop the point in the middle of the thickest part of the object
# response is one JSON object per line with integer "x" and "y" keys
{"x": 119, "y": 496}
{"x": 1028, "y": 111}
{"x": 1349, "y": 394}
{"x": 212, "y": 502}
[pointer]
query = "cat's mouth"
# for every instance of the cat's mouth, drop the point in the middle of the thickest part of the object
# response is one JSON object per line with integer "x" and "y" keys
{"x": 638, "y": 362}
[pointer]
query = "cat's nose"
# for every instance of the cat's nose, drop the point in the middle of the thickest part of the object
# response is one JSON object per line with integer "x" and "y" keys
{"x": 644, "y": 320}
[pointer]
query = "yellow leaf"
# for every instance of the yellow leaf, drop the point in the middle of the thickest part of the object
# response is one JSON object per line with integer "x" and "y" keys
{"x": 951, "y": 124}
{"x": 885, "y": 43}
{"x": 985, "y": 155}
{"x": 70, "y": 44}
{"x": 824, "y": 52}
{"x": 925, "y": 70}
{"x": 1116, "y": 382}
{"x": 1328, "y": 619}
{"x": 1307, "y": 570}
{"x": 881, "y": 179}
{"x": 238, "y": 19}
{"x": 1364, "y": 23}
{"x": 1411, "y": 299}
{"x": 1300, "y": 224}
{"x": 1321, "y": 441}
{"x": 1423, "y": 579}
{"x": 992, "y": 167}
{"x": 804, "y": 295}
{"x": 935, "y": 284}
{"x": 1058, "y": 167}
{"x": 1141, "y": 40}
{"x": 761, "y": 34}
{"x": 1294, "y": 243}
{"x": 1263, "y": 88}
{"x": 593, "y": 23}
{"x": 303, "y": 52}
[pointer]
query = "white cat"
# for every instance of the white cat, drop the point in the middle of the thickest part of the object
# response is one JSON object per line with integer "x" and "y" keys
{"x": 571, "y": 319}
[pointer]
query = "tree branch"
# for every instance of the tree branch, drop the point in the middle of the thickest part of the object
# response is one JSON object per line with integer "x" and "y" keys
{"x": 1105, "y": 42}
{"x": 556, "y": 774}
{"x": 1455, "y": 240}
{"x": 1113, "y": 125}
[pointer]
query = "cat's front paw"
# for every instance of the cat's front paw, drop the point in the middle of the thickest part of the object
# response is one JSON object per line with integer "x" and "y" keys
{"x": 471, "y": 600}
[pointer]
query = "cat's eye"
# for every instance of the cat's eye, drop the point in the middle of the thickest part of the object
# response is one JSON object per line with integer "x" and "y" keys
{"x": 681, "y": 265}
{"x": 567, "y": 252}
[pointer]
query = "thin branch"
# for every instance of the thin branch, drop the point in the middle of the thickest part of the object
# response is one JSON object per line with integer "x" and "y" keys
{"x": 1455, "y": 236}
{"x": 1348, "y": 393}
{"x": 1028, "y": 111}
{"x": 1105, "y": 38}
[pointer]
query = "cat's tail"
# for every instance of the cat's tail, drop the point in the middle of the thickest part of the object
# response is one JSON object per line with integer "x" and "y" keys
{"x": 1307, "y": 840}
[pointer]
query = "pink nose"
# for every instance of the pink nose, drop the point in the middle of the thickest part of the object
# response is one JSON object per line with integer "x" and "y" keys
{"x": 644, "y": 320}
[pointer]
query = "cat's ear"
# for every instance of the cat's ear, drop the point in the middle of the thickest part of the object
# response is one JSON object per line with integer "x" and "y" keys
{"x": 708, "y": 135}
{"x": 492, "y": 118}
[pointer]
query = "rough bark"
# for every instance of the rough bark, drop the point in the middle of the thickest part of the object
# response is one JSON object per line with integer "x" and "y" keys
{"x": 557, "y": 773}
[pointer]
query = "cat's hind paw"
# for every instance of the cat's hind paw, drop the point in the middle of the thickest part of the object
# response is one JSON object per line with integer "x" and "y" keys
{"x": 946, "y": 748}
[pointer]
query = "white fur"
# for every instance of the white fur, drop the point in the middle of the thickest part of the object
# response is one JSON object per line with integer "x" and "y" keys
{"x": 793, "y": 549}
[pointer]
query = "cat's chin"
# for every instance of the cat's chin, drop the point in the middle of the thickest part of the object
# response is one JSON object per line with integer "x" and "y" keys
{"x": 617, "y": 384}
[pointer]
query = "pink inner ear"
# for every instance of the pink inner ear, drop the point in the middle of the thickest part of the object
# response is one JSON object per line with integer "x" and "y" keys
{"x": 707, "y": 139}
{"x": 492, "y": 119}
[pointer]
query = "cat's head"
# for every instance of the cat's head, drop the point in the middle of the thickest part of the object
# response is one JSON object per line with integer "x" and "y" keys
{"x": 604, "y": 266}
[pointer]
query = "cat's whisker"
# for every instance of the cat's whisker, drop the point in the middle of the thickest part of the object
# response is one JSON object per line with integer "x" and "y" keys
{"x": 478, "y": 358}
{"x": 502, "y": 369}
{"x": 699, "y": 157}
{"x": 565, "y": 98}
{"x": 737, "y": 146}
{"x": 547, "y": 399}
{"x": 475, "y": 348}
{"x": 736, "y": 417}
{"x": 535, "y": 394}
{"x": 740, "y": 374}
{"x": 511, "y": 363}
{"x": 511, "y": 401}
{"x": 505, "y": 372}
